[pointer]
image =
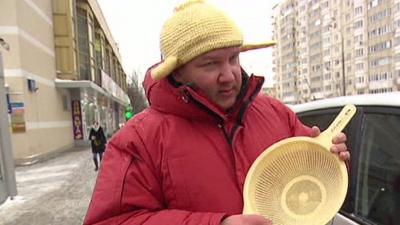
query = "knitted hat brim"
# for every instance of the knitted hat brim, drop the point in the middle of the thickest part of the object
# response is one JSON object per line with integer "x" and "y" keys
{"x": 166, "y": 67}
{"x": 251, "y": 46}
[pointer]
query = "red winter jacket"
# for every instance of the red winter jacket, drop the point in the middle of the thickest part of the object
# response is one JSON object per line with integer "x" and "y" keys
{"x": 183, "y": 160}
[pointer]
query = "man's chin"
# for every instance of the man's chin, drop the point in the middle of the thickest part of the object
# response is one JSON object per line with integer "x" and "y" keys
{"x": 226, "y": 104}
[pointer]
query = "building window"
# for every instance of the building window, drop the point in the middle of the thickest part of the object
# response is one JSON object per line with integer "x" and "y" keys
{"x": 380, "y": 62}
{"x": 315, "y": 79}
{"x": 359, "y": 66}
{"x": 380, "y": 15}
{"x": 358, "y": 39}
{"x": 358, "y": 10}
{"x": 381, "y": 77}
{"x": 65, "y": 102}
{"x": 83, "y": 44}
{"x": 380, "y": 90}
{"x": 107, "y": 60}
{"x": 348, "y": 16}
{"x": 380, "y": 31}
{"x": 327, "y": 76}
{"x": 328, "y": 87}
{"x": 91, "y": 48}
{"x": 396, "y": 41}
{"x": 98, "y": 49}
{"x": 325, "y": 5}
{"x": 380, "y": 46}
{"x": 397, "y": 7}
{"x": 374, "y": 3}
{"x": 359, "y": 52}
{"x": 348, "y": 43}
{"x": 358, "y": 24}
{"x": 327, "y": 52}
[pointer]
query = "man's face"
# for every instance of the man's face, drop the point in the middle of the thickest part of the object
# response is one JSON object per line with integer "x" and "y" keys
{"x": 217, "y": 73}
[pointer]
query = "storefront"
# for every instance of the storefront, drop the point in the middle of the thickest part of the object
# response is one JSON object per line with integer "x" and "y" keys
{"x": 92, "y": 103}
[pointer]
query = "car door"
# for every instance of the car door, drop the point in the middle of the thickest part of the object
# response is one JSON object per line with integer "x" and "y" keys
{"x": 374, "y": 185}
{"x": 377, "y": 179}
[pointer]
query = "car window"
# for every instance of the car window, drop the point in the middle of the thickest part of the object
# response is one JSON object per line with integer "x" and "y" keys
{"x": 320, "y": 120}
{"x": 378, "y": 191}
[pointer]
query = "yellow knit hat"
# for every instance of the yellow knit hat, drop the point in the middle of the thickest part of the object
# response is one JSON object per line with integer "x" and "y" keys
{"x": 197, "y": 28}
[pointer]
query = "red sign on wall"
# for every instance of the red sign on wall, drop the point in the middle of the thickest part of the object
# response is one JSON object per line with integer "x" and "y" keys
{"x": 77, "y": 120}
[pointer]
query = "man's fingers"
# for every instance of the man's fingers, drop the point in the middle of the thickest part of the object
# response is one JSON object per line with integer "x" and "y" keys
{"x": 340, "y": 138}
{"x": 342, "y": 147}
{"x": 315, "y": 131}
{"x": 345, "y": 156}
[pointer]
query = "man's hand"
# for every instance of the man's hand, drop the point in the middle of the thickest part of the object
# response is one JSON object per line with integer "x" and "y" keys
{"x": 246, "y": 220}
{"x": 338, "y": 144}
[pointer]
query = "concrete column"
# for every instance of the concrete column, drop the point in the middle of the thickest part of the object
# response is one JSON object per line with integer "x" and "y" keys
{"x": 5, "y": 136}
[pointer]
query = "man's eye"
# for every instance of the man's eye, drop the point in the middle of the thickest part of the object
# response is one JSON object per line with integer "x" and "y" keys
{"x": 210, "y": 63}
{"x": 233, "y": 58}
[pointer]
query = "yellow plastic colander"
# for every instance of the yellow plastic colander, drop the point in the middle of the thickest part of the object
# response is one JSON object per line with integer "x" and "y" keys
{"x": 298, "y": 181}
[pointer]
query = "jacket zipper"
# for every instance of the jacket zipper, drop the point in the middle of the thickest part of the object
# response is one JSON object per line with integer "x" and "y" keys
{"x": 243, "y": 110}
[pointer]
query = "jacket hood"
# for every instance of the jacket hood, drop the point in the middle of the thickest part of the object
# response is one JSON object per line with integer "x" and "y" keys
{"x": 181, "y": 100}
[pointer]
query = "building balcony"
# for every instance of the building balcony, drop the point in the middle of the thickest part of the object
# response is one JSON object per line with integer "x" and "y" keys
{"x": 396, "y": 49}
{"x": 327, "y": 82}
{"x": 318, "y": 95}
{"x": 373, "y": 85}
{"x": 361, "y": 85}
{"x": 291, "y": 99}
{"x": 397, "y": 66}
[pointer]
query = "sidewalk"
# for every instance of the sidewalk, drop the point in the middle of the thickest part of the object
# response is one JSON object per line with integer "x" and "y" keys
{"x": 54, "y": 192}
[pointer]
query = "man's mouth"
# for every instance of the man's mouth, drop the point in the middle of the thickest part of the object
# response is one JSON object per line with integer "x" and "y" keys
{"x": 226, "y": 92}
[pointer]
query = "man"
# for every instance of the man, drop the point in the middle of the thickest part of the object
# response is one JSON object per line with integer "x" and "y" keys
{"x": 184, "y": 159}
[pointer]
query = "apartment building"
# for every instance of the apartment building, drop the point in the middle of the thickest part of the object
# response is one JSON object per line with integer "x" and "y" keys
{"x": 285, "y": 59}
{"x": 340, "y": 48}
{"x": 63, "y": 72}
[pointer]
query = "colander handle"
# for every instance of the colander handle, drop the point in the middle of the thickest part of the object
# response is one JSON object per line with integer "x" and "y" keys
{"x": 337, "y": 125}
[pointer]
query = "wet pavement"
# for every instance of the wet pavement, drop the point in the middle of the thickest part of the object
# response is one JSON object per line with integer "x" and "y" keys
{"x": 53, "y": 192}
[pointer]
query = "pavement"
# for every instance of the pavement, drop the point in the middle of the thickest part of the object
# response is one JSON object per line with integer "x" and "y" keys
{"x": 53, "y": 192}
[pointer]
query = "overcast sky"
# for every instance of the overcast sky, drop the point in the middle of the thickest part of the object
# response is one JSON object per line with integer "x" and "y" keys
{"x": 136, "y": 25}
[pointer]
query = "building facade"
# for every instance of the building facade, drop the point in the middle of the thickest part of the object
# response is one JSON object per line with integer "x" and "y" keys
{"x": 330, "y": 48}
{"x": 63, "y": 72}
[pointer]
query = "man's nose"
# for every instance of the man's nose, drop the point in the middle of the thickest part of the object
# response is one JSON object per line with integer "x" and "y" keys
{"x": 226, "y": 73}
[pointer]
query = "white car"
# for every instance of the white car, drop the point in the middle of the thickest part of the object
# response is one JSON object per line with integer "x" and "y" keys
{"x": 374, "y": 142}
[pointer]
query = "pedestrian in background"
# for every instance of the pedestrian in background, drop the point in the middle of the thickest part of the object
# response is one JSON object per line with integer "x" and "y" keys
{"x": 98, "y": 142}
{"x": 184, "y": 160}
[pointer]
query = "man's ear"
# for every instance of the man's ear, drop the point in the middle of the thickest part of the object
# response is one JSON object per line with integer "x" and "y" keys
{"x": 178, "y": 76}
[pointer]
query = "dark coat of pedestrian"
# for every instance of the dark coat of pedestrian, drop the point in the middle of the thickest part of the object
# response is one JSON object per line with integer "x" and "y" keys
{"x": 98, "y": 143}
{"x": 97, "y": 138}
